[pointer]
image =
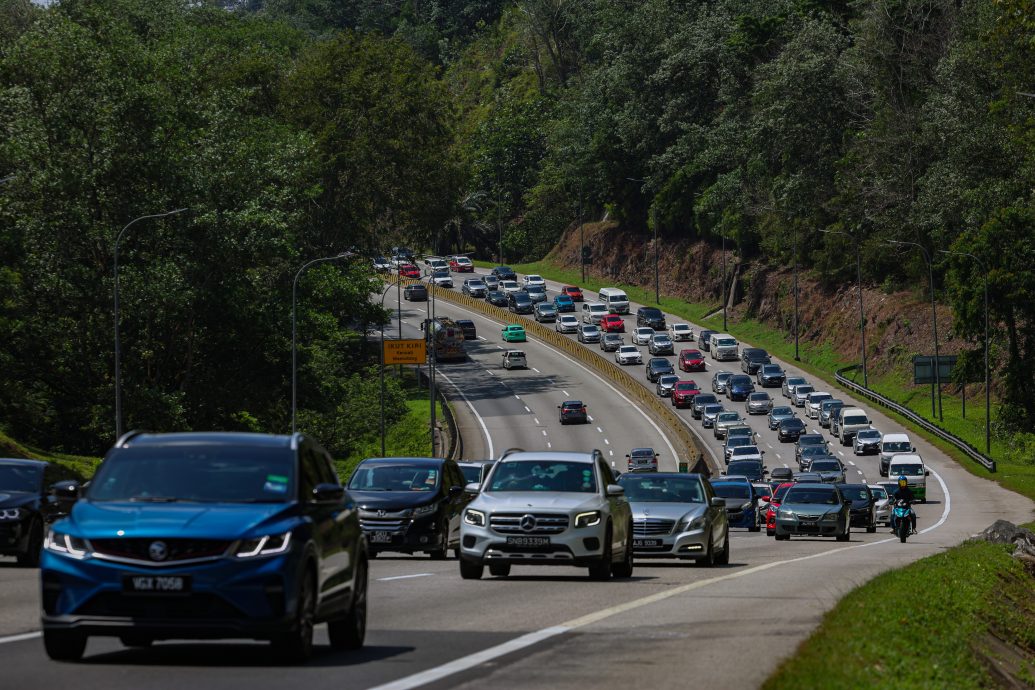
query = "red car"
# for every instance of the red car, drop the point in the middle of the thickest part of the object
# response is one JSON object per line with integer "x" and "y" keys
{"x": 409, "y": 271}
{"x": 574, "y": 292}
{"x": 691, "y": 360}
{"x": 774, "y": 505}
{"x": 683, "y": 393}
{"x": 461, "y": 264}
{"x": 612, "y": 323}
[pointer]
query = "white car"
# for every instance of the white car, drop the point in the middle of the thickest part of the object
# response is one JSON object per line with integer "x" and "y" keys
{"x": 628, "y": 354}
{"x": 382, "y": 264}
{"x": 680, "y": 332}
{"x": 642, "y": 336}
{"x": 801, "y": 394}
{"x": 509, "y": 286}
{"x": 566, "y": 323}
{"x": 746, "y": 453}
{"x": 534, "y": 280}
{"x": 814, "y": 401}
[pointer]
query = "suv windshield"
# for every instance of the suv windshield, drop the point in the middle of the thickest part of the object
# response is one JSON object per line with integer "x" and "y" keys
{"x": 848, "y": 421}
{"x": 908, "y": 470}
{"x": 805, "y": 496}
{"x": 897, "y": 446}
{"x": 725, "y": 341}
{"x": 825, "y": 466}
{"x": 20, "y": 478}
{"x": 196, "y": 473}
{"x": 543, "y": 475}
{"x": 732, "y": 490}
{"x": 394, "y": 477}
{"x": 641, "y": 489}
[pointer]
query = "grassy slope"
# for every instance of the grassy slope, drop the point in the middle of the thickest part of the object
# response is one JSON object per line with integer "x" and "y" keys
{"x": 71, "y": 466}
{"x": 922, "y": 626}
{"x": 821, "y": 361}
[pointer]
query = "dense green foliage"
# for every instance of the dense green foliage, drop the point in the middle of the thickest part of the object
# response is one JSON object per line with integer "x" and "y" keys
{"x": 300, "y": 128}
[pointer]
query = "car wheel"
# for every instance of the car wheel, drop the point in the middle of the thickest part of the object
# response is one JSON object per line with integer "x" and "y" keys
{"x": 601, "y": 570}
{"x": 31, "y": 557}
{"x": 625, "y": 568}
{"x": 757, "y": 526}
{"x": 499, "y": 569}
{"x": 871, "y": 529}
{"x": 724, "y": 557}
{"x": 297, "y": 646}
{"x": 847, "y": 535}
{"x": 64, "y": 645}
{"x": 781, "y": 537}
{"x": 350, "y": 631}
{"x": 470, "y": 570}
{"x": 769, "y": 532}
{"x": 708, "y": 560}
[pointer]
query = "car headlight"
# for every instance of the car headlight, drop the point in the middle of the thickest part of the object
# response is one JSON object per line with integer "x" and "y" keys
{"x": 747, "y": 506}
{"x": 65, "y": 544}
{"x": 474, "y": 517}
{"x": 830, "y": 517}
{"x": 691, "y": 524}
{"x": 785, "y": 514}
{"x": 268, "y": 545}
{"x": 10, "y": 513}
{"x": 587, "y": 519}
{"x": 425, "y": 510}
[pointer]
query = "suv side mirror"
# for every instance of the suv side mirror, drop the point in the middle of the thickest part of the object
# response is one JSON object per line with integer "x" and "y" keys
{"x": 473, "y": 488}
{"x": 615, "y": 490}
{"x": 328, "y": 492}
{"x": 66, "y": 490}
{"x": 718, "y": 502}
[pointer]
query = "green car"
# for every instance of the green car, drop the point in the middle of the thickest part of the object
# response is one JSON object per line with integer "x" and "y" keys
{"x": 513, "y": 333}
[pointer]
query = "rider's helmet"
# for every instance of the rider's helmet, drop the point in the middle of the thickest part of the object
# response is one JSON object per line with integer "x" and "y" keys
{"x": 902, "y": 481}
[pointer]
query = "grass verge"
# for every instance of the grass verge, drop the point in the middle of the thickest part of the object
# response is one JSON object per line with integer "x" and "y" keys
{"x": 820, "y": 360}
{"x": 77, "y": 467}
{"x": 943, "y": 622}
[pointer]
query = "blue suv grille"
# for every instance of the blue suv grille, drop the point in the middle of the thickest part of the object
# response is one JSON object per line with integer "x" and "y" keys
{"x": 176, "y": 550}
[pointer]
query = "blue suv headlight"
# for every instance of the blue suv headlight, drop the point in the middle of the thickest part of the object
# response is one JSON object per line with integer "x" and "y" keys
{"x": 66, "y": 545}
{"x": 268, "y": 545}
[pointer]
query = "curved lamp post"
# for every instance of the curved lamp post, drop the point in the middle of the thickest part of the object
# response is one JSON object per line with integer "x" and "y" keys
{"x": 294, "y": 330}
{"x": 118, "y": 343}
{"x": 384, "y": 294}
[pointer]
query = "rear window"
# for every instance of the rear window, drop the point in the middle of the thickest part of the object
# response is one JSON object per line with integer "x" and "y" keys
{"x": 573, "y": 405}
{"x": 732, "y": 491}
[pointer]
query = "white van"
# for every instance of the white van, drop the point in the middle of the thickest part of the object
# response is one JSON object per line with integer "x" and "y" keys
{"x": 852, "y": 420}
{"x": 891, "y": 445}
{"x": 593, "y": 312}
{"x": 434, "y": 263}
{"x": 911, "y": 466}
{"x": 616, "y": 300}
{"x": 723, "y": 347}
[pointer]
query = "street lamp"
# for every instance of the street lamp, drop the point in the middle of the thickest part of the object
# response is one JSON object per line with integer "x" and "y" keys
{"x": 988, "y": 374}
{"x": 862, "y": 314}
{"x": 657, "y": 270}
{"x": 384, "y": 294}
{"x": 118, "y": 342}
{"x": 937, "y": 384}
{"x": 294, "y": 331}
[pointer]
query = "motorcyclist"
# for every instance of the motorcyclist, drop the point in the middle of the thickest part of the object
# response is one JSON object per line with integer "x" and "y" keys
{"x": 904, "y": 493}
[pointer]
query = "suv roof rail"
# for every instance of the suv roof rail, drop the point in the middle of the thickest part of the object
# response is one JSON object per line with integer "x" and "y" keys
{"x": 128, "y": 436}
{"x": 510, "y": 451}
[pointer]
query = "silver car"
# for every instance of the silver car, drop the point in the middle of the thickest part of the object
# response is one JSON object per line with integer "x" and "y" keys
{"x": 709, "y": 413}
{"x": 815, "y": 510}
{"x": 566, "y": 323}
{"x": 759, "y": 403}
{"x": 719, "y": 381}
{"x": 547, "y": 509}
{"x": 826, "y": 408}
{"x": 778, "y": 414}
{"x": 665, "y": 385}
{"x": 830, "y": 470}
{"x": 813, "y": 402}
{"x": 723, "y": 421}
{"x": 660, "y": 344}
{"x": 867, "y": 441}
{"x": 677, "y": 515}
{"x": 642, "y": 335}
{"x": 882, "y": 504}
{"x": 790, "y": 383}
{"x": 537, "y": 293}
{"x": 610, "y": 342}
{"x": 628, "y": 354}
{"x": 801, "y": 394}
{"x": 588, "y": 333}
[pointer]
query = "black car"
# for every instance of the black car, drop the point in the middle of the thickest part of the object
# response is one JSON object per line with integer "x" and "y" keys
{"x": 467, "y": 326}
{"x": 751, "y": 358}
{"x": 415, "y": 293}
{"x": 496, "y": 298}
{"x": 572, "y": 411}
{"x": 704, "y": 339}
{"x": 30, "y": 499}
{"x": 519, "y": 302}
{"x": 861, "y": 511}
{"x": 504, "y": 273}
{"x": 781, "y": 474}
{"x": 410, "y": 504}
{"x": 752, "y": 469}
{"x": 700, "y": 400}
{"x": 656, "y": 366}
{"x": 809, "y": 453}
{"x": 475, "y": 471}
{"x": 769, "y": 376}
{"x": 650, "y": 317}
{"x": 806, "y": 440}
{"x": 790, "y": 429}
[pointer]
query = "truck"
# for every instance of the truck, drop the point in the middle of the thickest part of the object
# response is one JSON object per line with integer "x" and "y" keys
{"x": 446, "y": 340}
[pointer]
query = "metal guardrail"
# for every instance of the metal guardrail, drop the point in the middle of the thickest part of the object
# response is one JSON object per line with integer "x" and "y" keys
{"x": 969, "y": 450}
{"x": 455, "y": 449}
{"x": 686, "y": 444}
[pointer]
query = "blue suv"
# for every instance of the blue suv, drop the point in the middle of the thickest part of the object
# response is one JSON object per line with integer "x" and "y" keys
{"x": 207, "y": 536}
{"x": 741, "y": 502}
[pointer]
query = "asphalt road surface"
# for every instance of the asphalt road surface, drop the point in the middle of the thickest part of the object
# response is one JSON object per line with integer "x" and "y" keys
{"x": 551, "y": 627}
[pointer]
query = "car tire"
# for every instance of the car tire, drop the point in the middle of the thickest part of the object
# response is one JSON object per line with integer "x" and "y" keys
{"x": 296, "y": 646}
{"x": 724, "y": 557}
{"x": 601, "y": 570}
{"x": 770, "y": 532}
{"x": 470, "y": 570}
{"x": 871, "y": 529}
{"x": 499, "y": 569}
{"x": 64, "y": 645}
{"x": 625, "y": 568}
{"x": 349, "y": 632}
{"x": 781, "y": 537}
{"x": 757, "y": 526}
{"x": 708, "y": 560}
{"x": 847, "y": 536}
{"x": 33, "y": 550}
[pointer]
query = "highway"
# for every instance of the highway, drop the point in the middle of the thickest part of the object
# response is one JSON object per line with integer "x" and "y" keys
{"x": 552, "y": 627}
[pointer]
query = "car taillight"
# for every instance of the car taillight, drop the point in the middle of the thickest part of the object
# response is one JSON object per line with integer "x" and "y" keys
{"x": 583, "y": 409}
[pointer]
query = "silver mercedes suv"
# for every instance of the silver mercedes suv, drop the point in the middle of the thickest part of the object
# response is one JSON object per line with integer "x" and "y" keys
{"x": 546, "y": 508}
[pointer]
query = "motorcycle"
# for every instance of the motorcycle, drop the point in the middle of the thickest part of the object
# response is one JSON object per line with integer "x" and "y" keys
{"x": 901, "y": 519}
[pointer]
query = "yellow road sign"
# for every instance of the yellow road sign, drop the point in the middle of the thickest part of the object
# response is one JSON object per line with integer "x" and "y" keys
{"x": 412, "y": 351}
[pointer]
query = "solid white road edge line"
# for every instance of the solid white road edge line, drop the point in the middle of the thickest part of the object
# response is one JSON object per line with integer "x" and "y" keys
{"x": 21, "y": 637}
{"x": 403, "y": 577}
{"x": 481, "y": 422}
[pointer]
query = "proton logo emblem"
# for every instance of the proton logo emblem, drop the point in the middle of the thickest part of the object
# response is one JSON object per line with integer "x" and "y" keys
{"x": 527, "y": 523}
{"x": 158, "y": 551}
{"x": 382, "y": 513}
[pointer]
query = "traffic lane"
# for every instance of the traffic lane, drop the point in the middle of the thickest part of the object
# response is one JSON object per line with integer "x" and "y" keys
{"x": 19, "y": 596}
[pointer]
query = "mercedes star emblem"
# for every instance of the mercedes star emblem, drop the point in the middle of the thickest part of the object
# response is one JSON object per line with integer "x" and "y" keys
{"x": 527, "y": 523}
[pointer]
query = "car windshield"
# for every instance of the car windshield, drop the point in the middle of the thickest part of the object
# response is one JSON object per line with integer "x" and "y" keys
{"x": 847, "y": 421}
{"x": 563, "y": 299}
{"x": 781, "y": 491}
{"x": 642, "y": 489}
{"x": 628, "y": 349}
{"x": 612, "y": 337}
{"x": 20, "y": 478}
{"x": 477, "y": 284}
{"x": 729, "y": 417}
{"x": 543, "y": 475}
{"x": 395, "y": 476}
{"x": 817, "y": 398}
{"x": 645, "y": 331}
{"x": 537, "y": 289}
{"x": 763, "y": 490}
{"x": 668, "y": 380}
{"x": 573, "y": 405}
{"x": 825, "y": 466}
{"x": 745, "y": 450}
{"x": 680, "y": 327}
{"x": 908, "y": 470}
{"x": 598, "y": 308}
{"x": 732, "y": 490}
{"x": 661, "y": 339}
{"x": 870, "y": 435}
{"x": 809, "y": 495}
{"x": 738, "y": 441}
{"x": 535, "y": 279}
{"x": 723, "y": 376}
{"x": 712, "y": 409}
{"x": 782, "y": 411}
{"x": 705, "y": 398}
{"x": 196, "y": 473}
{"x": 812, "y": 451}
{"x": 856, "y": 493}
{"x": 684, "y": 386}
{"x": 740, "y": 381}
{"x": 897, "y": 446}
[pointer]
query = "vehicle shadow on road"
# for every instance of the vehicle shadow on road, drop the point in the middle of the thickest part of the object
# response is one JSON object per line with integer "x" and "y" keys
{"x": 241, "y": 655}
{"x": 563, "y": 578}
